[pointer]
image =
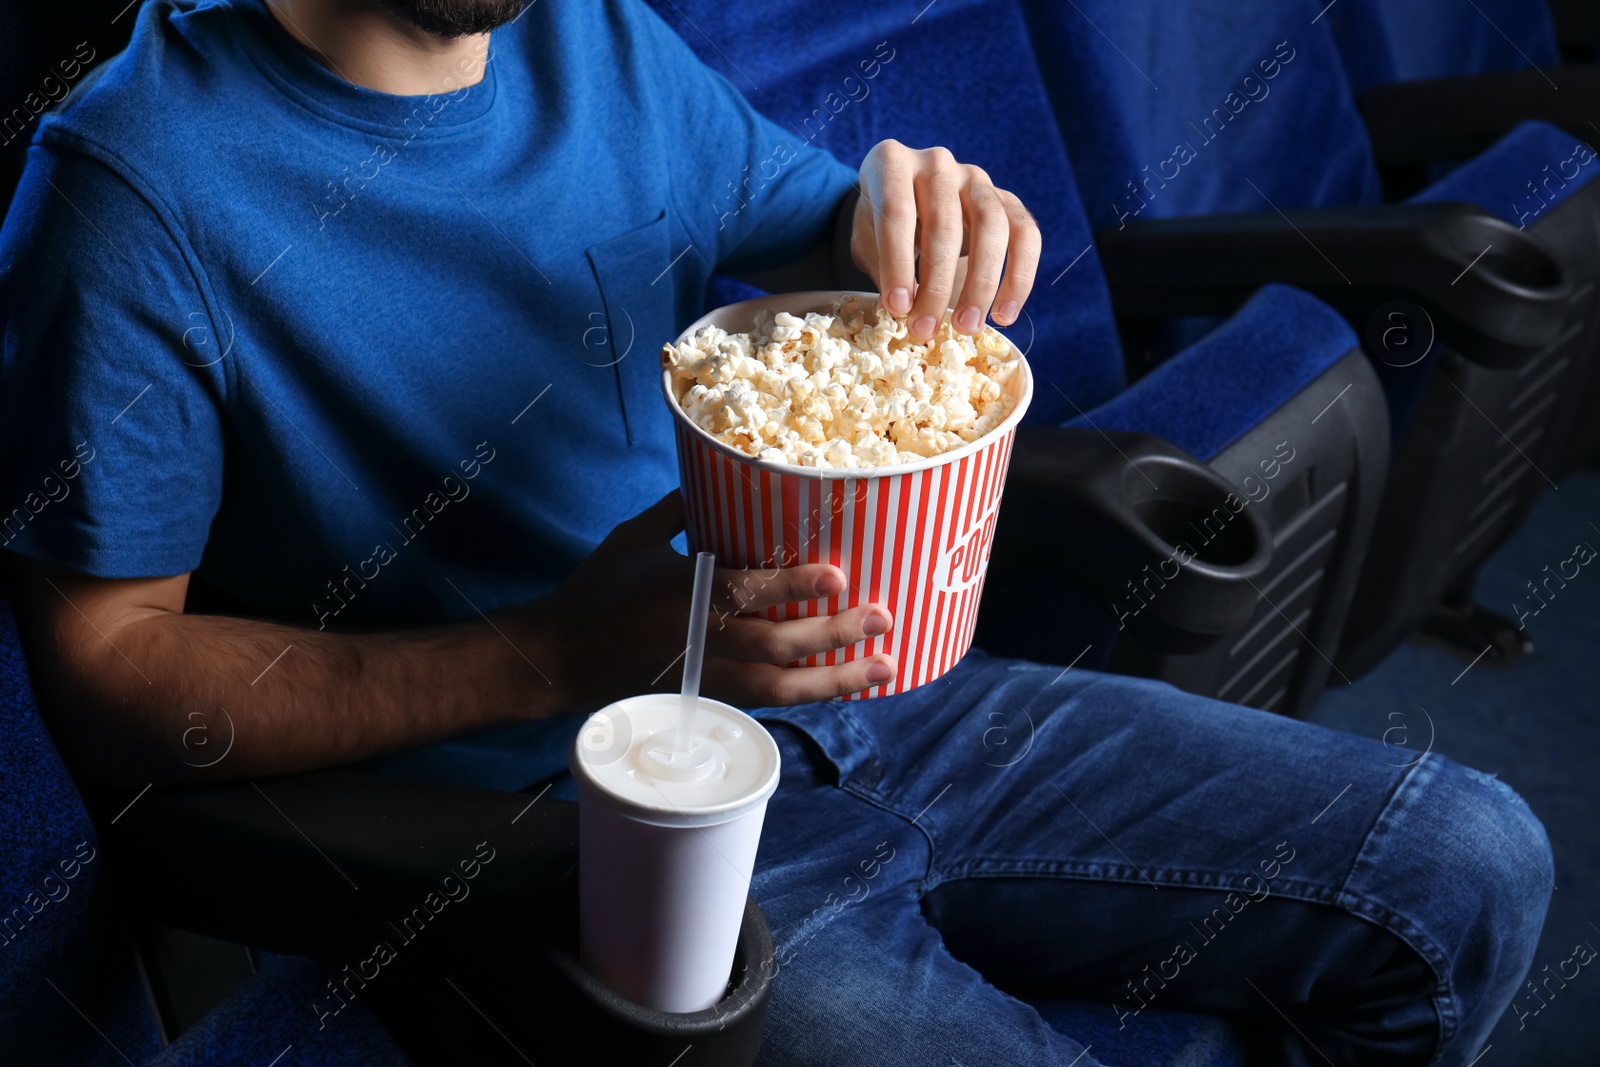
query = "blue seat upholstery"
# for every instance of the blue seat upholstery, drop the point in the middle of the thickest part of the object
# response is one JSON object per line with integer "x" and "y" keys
{"x": 1290, "y": 140}
{"x": 864, "y": 75}
{"x": 270, "y": 1016}
{"x": 1387, "y": 41}
{"x": 1519, "y": 178}
{"x": 70, "y": 990}
{"x": 1240, "y": 110}
{"x": 1184, "y": 401}
{"x": 57, "y": 924}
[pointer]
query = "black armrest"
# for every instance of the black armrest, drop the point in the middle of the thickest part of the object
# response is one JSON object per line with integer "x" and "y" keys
{"x": 1494, "y": 293}
{"x": 468, "y": 884}
{"x": 1115, "y": 515}
{"x": 1456, "y": 118}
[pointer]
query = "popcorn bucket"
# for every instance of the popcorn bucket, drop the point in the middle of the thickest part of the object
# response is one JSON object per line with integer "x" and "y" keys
{"x": 913, "y": 537}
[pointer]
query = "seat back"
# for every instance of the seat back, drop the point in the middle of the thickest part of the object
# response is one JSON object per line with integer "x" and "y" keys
{"x": 1169, "y": 110}
{"x": 69, "y": 985}
{"x": 1386, "y": 41}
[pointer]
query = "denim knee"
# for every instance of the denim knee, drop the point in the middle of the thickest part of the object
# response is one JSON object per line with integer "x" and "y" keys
{"x": 1460, "y": 867}
{"x": 1511, "y": 869}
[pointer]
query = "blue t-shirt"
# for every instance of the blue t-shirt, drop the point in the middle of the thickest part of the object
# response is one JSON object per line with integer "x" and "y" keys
{"x": 360, "y": 360}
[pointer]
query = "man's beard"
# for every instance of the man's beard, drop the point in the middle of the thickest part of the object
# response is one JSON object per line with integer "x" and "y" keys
{"x": 455, "y": 18}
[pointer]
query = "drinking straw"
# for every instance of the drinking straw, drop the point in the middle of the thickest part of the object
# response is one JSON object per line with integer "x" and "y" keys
{"x": 695, "y": 654}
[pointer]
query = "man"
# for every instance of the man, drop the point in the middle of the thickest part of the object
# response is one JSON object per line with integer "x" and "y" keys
{"x": 329, "y": 394}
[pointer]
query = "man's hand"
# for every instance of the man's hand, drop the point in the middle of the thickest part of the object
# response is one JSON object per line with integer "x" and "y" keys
{"x": 620, "y": 621}
{"x": 971, "y": 235}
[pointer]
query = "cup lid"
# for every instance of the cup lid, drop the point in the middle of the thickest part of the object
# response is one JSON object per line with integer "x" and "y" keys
{"x": 626, "y": 756}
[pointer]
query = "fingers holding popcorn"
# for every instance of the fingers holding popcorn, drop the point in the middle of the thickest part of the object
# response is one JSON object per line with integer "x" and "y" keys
{"x": 890, "y": 216}
{"x": 1022, "y": 259}
{"x": 941, "y": 188}
{"x": 989, "y": 233}
{"x": 926, "y": 202}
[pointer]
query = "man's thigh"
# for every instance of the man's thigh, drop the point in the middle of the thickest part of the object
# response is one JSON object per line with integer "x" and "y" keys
{"x": 860, "y": 975}
{"x": 1018, "y": 768}
{"x": 1014, "y": 767}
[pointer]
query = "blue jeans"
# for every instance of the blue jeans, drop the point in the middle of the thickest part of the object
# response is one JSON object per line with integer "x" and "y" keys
{"x": 934, "y": 861}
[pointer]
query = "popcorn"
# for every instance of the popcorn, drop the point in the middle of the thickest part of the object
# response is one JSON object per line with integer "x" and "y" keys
{"x": 838, "y": 391}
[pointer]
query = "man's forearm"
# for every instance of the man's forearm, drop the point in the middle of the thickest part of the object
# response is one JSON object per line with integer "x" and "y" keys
{"x": 162, "y": 698}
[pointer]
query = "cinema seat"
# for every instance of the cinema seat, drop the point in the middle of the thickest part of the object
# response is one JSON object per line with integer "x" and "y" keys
{"x": 1439, "y": 83}
{"x": 1086, "y": 500}
{"x": 1483, "y": 334}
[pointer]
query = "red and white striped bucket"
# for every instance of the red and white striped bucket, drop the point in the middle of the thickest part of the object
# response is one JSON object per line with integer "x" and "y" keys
{"x": 913, "y": 537}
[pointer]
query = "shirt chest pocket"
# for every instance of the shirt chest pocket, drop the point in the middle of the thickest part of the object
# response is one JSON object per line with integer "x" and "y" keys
{"x": 640, "y": 274}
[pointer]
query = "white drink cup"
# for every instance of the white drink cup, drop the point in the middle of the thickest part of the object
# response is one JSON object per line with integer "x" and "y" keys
{"x": 666, "y": 845}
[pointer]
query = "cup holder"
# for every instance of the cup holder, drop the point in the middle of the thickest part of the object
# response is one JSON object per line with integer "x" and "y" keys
{"x": 599, "y": 1026}
{"x": 1524, "y": 266}
{"x": 1497, "y": 295}
{"x": 1504, "y": 257}
{"x": 1208, "y": 534}
{"x": 1196, "y": 551}
{"x": 1147, "y": 533}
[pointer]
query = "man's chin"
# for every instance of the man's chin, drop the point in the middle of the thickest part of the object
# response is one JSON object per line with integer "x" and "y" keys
{"x": 455, "y": 18}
